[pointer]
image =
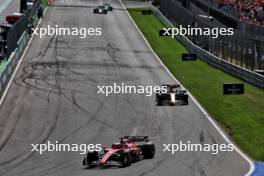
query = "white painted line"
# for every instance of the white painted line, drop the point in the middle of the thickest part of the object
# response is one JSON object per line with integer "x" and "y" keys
{"x": 222, "y": 133}
{"x": 18, "y": 65}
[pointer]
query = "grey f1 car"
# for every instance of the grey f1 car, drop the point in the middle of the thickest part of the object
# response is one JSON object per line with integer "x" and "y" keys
{"x": 174, "y": 96}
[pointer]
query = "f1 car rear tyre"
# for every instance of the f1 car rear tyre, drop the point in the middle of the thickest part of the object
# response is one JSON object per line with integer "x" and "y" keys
{"x": 148, "y": 150}
{"x": 110, "y": 8}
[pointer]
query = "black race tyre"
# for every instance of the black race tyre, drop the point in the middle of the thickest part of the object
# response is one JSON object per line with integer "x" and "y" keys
{"x": 125, "y": 159}
{"x": 148, "y": 150}
{"x": 91, "y": 157}
{"x": 159, "y": 102}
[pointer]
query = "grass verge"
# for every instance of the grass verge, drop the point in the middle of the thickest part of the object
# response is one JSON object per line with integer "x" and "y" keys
{"x": 241, "y": 115}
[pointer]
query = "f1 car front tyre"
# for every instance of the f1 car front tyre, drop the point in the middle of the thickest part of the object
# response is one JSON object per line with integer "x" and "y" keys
{"x": 185, "y": 102}
{"x": 91, "y": 157}
{"x": 126, "y": 159}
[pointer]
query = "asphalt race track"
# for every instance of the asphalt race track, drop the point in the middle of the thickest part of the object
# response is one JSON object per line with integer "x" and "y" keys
{"x": 54, "y": 97}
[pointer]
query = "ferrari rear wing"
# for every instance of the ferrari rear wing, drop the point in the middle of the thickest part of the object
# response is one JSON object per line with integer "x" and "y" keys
{"x": 136, "y": 138}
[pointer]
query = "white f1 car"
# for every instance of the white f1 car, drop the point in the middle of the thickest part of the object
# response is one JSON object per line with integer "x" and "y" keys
{"x": 174, "y": 96}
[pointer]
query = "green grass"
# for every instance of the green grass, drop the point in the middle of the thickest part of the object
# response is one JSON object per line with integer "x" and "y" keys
{"x": 45, "y": 2}
{"x": 242, "y": 116}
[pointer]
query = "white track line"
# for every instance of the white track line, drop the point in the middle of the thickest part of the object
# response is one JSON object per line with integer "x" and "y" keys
{"x": 18, "y": 65}
{"x": 251, "y": 163}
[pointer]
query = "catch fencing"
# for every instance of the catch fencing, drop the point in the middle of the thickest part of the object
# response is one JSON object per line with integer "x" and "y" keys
{"x": 231, "y": 12}
{"x": 19, "y": 27}
{"x": 241, "y": 49}
{"x": 234, "y": 55}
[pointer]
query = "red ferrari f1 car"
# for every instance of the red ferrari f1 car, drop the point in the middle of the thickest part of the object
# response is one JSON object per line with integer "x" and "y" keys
{"x": 130, "y": 149}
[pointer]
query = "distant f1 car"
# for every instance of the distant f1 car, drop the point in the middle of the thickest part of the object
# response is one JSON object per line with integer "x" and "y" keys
{"x": 173, "y": 96}
{"x": 103, "y": 9}
{"x": 100, "y": 10}
{"x": 130, "y": 149}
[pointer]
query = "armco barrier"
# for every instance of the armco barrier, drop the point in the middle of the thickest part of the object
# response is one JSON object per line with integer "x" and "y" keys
{"x": 14, "y": 58}
{"x": 242, "y": 73}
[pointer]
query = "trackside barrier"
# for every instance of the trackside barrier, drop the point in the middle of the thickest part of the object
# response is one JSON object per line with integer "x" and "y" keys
{"x": 239, "y": 72}
{"x": 15, "y": 56}
{"x": 13, "y": 59}
{"x": 17, "y": 29}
